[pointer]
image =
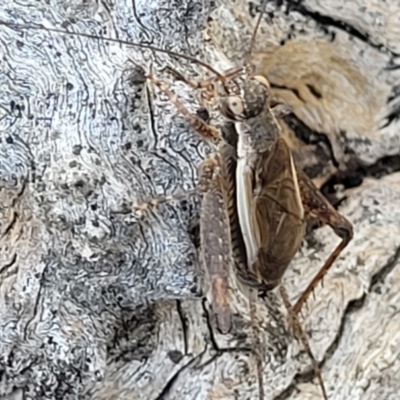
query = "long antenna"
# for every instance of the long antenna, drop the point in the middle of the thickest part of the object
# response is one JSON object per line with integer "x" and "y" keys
{"x": 125, "y": 42}
{"x": 254, "y": 35}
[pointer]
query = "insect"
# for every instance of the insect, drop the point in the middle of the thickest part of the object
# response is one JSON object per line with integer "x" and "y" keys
{"x": 266, "y": 196}
{"x": 262, "y": 197}
{"x": 273, "y": 197}
{"x": 253, "y": 192}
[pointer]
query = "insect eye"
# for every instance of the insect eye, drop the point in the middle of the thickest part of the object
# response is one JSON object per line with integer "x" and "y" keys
{"x": 210, "y": 88}
{"x": 232, "y": 108}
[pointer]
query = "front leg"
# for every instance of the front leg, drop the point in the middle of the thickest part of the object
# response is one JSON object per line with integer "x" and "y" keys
{"x": 205, "y": 130}
{"x": 316, "y": 206}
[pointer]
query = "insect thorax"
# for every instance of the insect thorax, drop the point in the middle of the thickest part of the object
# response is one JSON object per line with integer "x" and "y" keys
{"x": 243, "y": 100}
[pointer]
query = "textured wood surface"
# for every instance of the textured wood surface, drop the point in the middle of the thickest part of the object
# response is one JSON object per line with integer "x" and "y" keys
{"x": 100, "y": 302}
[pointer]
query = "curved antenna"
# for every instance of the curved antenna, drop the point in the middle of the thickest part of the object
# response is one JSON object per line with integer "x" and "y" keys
{"x": 254, "y": 35}
{"x": 125, "y": 42}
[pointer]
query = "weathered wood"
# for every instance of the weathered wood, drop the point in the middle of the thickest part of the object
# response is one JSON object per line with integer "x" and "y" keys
{"x": 98, "y": 302}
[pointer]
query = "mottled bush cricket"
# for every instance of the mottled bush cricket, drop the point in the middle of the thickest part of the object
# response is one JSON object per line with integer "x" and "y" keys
{"x": 255, "y": 201}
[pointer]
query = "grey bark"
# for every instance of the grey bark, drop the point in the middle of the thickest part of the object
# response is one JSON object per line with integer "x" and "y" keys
{"x": 101, "y": 302}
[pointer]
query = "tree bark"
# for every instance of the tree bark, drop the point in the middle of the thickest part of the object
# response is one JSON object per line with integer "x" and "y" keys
{"x": 99, "y": 301}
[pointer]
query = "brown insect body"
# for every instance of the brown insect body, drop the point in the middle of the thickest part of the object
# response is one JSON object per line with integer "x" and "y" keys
{"x": 263, "y": 198}
{"x": 268, "y": 202}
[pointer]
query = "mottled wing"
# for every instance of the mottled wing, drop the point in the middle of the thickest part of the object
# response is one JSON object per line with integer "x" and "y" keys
{"x": 277, "y": 211}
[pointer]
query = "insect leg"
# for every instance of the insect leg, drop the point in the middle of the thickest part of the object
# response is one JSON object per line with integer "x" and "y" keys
{"x": 194, "y": 84}
{"x": 298, "y": 332}
{"x": 215, "y": 245}
{"x": 155, "y": 202}
{"x": 316, "y": 206}
{"x": 206, "y": 131}
{"x": 216, "y": 241}
{"x": 258, "y": 349}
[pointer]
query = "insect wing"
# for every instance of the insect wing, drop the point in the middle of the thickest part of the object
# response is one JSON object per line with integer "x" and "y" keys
{"x": 277, "y": 211}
